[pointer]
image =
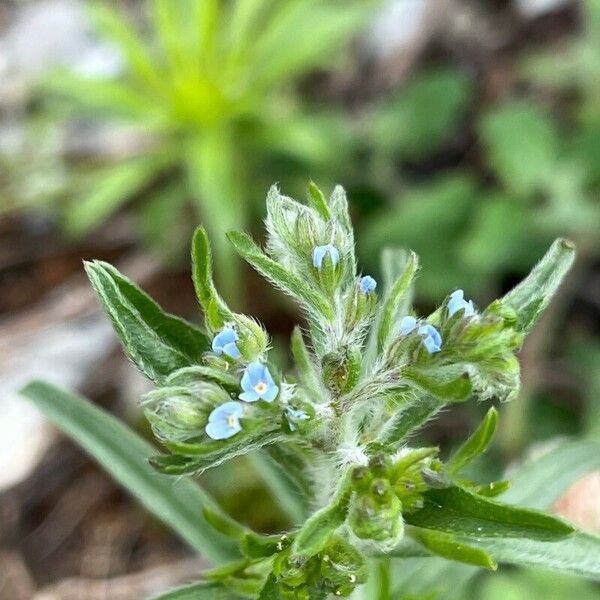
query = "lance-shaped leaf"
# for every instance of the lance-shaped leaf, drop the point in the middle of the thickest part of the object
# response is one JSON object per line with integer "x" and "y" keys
{"x": 464, "y": 513}
{"x": 475, "y": 444}
{"x": 157, "y": 342}
{"x": 394, "y": 300}
{"x": 125, "y": 456}
{"x": 447, "y": 384}
{"x": 307, "y": 371}
{"x": 215, "y": 309}
{"x": 271, "y": 590}
{"x": 578, "y": 554}
{"x": 530, "y": 298}
{"x": 317, "y": 201}
{"x": 410, "y": 418}
{"x": 289, "y": 283}
{"x": 320, "y": 528}
{"x": 202, "y": 590}
{"x": 194, "y": 458}
{"x": 538, "y": 484}
{"x": 448, "y": 546}
{"x": 282, "y": 486}
{"x": 192, "y": 375}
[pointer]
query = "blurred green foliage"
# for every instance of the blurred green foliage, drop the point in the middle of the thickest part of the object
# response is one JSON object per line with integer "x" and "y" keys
{"x": 475, "y": 224}
{"x": 211, "y": 97}
{"x": 532, "y": 584}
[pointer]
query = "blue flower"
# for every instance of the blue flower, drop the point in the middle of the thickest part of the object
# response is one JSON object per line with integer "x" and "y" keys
{"x": 320, "y": 252}
{"x": 224, "y": 421}
{"x": 367, "y": 284}
{"x": 225, "y": 343}
{"x": 407, "y": 325}
{"x": 258, "y": 384}
{"x": 457, "y": 302}
{"x": 432, "y": 340}
{"x": 294, "y": 415}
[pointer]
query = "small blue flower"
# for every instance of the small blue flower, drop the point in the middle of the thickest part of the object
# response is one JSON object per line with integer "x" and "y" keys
{"x": 224, "y": 421}
{"x": 294, "y": 415}
{"x": 457, "y": 302}
{"x": 320, "y": 252}
{"x": 225, "y": 343}
{"x": 432, "y": 340}
{"x": 367, "y": 284}
{"x": 407, "y": 325}
{"x": 258, "y": 384}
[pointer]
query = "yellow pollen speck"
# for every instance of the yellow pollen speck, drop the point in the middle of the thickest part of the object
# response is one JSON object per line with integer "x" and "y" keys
{"x": 260, "y": 388}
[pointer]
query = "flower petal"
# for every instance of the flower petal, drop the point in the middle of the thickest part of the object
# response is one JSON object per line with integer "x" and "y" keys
{"x": 318, "y": 255}
{"x": 267, "y": 377}
{"x": 407, "y": 325}
{"x": 225, "y": 410}
{"x": 221, "y": 430}
{"x": 232, "y": 350}
{"x": 249, "y": 396}
{"x": 430, "y": 345}
{"x": 256, "y": 372}
{"x": 270, "y": 394}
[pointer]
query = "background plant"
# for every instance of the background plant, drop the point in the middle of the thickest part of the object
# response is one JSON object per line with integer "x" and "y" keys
{"x": 338, "y": 426}
{"x": 210, "y": 102}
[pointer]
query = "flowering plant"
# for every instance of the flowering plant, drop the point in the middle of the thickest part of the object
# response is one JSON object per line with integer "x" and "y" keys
{"x": 368, "y": 372}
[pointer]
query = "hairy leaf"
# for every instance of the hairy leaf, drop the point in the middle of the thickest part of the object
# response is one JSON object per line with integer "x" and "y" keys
{"x": 448, "y": 546}
{"x": 461, "y": 512}
{"x": 157, "y": 342}
{"x": 125, "y": 456}
{"x": 279, "y": 276}
{"x": 531, "y": 297}
{"x": 476, "y": 444}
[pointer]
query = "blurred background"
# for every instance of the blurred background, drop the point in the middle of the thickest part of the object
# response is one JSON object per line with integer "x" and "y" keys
{"x": 466, "y": 130}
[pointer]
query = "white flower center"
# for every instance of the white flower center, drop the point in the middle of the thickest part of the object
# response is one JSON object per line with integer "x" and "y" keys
{"x": 260, "y": 388}
{"x": 232, "y": 420}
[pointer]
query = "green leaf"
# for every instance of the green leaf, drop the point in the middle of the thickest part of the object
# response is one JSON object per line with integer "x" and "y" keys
{"x": 540, "y": 483}
{"x": 202, "y": 269}
{"x": 300, "y": 36}
{"x": 271, "y": 590}
{"x": 286, "y": 493}
{"x": 157, "y": 342}
{"x": 124, "y": 455}
{"x": 530, "y": 298}
{"x": 475, "y": 444}
{"x": 114, "y": 27}
{"x": 98, "y": 97}
{"x": 431, "y": 220}
{"x": 224, "y": 523}
{"x": 322, "y": 525}
{"x": 393, "y": 301}
{"x": 410, "y": 418}
{"x": 202, "y": 590}
{"x": 317, "y": 201}
{"x": 448, "y": 546}
{"x": 106, "y": 191}
{"x": 461, "y": 512}
{"x": 578, "y": 554}
{"x": 522, "y": 144}
{"x": 449, "y": 387}
{"x": 307, "y": 371}
{"x": 424, "y": 114}
{"x": 279, "y": 276}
